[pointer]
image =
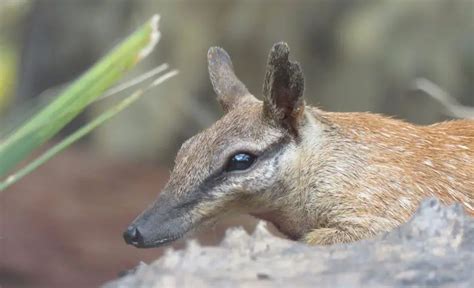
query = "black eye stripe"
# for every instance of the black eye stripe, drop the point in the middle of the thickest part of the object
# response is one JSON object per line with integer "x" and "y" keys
{"x": 268, "y": 152}
{"x": 219, "y": 175}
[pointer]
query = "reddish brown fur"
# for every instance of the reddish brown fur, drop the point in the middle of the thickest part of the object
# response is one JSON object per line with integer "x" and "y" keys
{"x": 426, "y": 155}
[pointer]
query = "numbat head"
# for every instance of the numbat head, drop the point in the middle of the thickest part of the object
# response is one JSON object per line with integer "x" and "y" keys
{"x": 320, "y": 177}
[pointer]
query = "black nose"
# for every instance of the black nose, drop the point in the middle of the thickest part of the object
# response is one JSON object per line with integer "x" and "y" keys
{"x": 133, "y": 236}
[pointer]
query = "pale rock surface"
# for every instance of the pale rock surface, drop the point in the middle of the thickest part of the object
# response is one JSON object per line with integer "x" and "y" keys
{"x": 435, "y": 248}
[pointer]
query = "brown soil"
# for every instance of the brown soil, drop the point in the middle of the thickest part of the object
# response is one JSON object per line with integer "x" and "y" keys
{"x": 62, "y": 225}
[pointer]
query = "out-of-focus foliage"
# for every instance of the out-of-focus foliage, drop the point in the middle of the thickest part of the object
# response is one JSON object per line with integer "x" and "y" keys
{"x": 81, "y": 93}
{"x": 11, "y": 15}
{"x": 7, "y": 75}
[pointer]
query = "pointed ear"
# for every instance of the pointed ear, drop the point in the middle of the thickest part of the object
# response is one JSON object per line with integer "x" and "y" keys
{"x": 283, "y": 89}
{"x": 229, "y": 89}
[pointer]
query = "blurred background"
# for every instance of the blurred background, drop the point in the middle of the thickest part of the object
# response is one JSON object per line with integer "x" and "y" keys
{"x": 62, "y": 225}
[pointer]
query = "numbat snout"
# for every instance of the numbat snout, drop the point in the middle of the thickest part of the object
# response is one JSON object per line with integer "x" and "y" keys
{"x": 320, "y": 177}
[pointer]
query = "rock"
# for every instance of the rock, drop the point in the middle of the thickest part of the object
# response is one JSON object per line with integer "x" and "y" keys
{"x": 435, "y": 248}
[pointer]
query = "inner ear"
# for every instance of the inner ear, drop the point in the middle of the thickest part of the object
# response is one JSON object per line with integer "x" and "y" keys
{"x": 229, "y": 89}
{"x": 283, "y": 89}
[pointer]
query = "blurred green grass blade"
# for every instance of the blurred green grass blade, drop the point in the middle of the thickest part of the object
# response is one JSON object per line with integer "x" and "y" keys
{"x": 26, "y": 109}
{"x": 68, "y": 141}
{"x": 103, "y": 117}
{"x": 47, "y": 122}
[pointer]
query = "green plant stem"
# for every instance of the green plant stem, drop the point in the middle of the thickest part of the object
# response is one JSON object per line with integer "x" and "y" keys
{"x": 48, "y": 121}
{"x": 108, "y": 114}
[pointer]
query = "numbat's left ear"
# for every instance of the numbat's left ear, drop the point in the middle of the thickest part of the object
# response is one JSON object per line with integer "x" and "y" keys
{"x": 283, "y": 89}
{"x": 229, "y": 89}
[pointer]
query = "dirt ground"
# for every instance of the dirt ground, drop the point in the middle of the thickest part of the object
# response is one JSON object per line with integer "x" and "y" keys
{"x": 62, "y": 225}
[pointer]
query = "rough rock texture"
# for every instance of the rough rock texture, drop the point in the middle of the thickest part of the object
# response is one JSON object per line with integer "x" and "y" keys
{"x": 435, "y": 248}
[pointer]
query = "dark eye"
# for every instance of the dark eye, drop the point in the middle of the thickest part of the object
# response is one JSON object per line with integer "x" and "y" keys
{"x": 240, "y": 161}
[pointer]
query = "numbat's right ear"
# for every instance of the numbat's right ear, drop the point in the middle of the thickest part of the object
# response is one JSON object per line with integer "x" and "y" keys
{"x": 229, "y": 89}
{"x": 283, "y": 89}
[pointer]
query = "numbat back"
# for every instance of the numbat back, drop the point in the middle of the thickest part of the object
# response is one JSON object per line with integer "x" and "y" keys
{"x": 320, "y": 177}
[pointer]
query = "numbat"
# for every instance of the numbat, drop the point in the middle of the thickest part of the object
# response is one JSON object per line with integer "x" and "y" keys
{"x": 319, "y": 177}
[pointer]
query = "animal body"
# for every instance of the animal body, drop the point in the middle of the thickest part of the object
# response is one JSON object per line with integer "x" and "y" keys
{"x": 319, "y": 177}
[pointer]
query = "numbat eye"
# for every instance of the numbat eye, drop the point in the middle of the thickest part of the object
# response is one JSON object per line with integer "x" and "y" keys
{"x": 240, "y": 161}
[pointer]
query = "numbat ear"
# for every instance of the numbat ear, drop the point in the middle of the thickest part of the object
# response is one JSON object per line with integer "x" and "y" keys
{"x": 283, "y": 89}
{"x": 229, "y": 89}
